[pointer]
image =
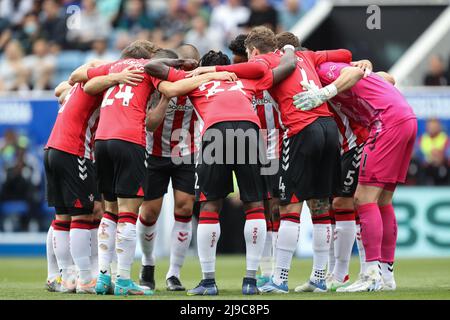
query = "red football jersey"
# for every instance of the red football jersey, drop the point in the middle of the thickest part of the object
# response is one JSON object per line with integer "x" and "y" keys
{"x": 220, "y": 101}
{"x": 296, "y": 120}
{"x": 269, "y": 116}
{"x": 175, "y": 135}
{"x": 351, "y": 133}
{"x": 123, "y": 110}
{"x": 75, "y": 125}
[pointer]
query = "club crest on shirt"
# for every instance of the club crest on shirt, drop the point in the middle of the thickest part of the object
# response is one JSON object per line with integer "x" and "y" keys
{"x": 330, "y": 72}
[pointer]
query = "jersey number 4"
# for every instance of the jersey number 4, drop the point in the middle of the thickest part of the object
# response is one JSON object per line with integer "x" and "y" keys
{"x": 125, "y": 94}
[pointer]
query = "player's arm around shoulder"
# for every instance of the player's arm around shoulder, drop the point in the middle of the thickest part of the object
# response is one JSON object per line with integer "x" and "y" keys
{"x": 288, "y": 63}
{"x": 81, "y": 73}
{"x": 129, "y": 76}
{"x": 183, "y": 87}
{"x": 348, "y": 77}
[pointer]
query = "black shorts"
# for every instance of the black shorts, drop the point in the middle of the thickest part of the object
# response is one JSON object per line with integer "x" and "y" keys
{"x": 350, "y": 162}
{"x": 214, "y": 177}
{"x": 310, "y": 163}
{"x": 272, "y": 180}
{"x": 70, "y": 182}
{"x": 120, "y": 169}
{"x": 160, "y": 170}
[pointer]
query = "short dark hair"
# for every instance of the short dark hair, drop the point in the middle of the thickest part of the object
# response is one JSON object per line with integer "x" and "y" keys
{"x": 214, "y": 58}
{"x": 139, "y": 49}
{"x": 237, "y": 46}
{"x": 165, "y": 53}
{"x": 261, "y": 38}
{"x": 188, "y": 51}
{"x": 285, "y": 38}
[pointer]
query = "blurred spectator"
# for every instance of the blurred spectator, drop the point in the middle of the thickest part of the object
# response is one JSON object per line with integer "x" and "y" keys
{"x": 171, "y": 26}
{"x": 14, "y": 10}
{"x": 104, "y": 26}
{"x": 290, "y": 14}
{"x": 100, "y": 51}
{"x": 53, "y": 23}
{"x": 108, "y": 8}
{"x": 133, "y": 17}
{"x": 262, "y": 13}
{"x": 41, "y": 66}
{"x": 13, "y": 73}
{"x": 5, "y": 33}
{"x": 22, "y": 176}
{"x": 434, "y": 147}
{"x": 92, "y": 26}
{"x": 436, "y": 75}
{"x": 29, "y": 32}
{"x": 202, "y": 37}
{"x": 226, "y": 18}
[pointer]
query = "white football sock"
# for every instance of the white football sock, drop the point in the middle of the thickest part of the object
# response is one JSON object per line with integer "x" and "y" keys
{"x": 179, "y": 245}
{"x": 80, "y": 248}
{"x": 94, "y": 250}
{"x": 106, "y": 242}
{"x": 331, "y": 257}
{"x": 374, "y": 268}
{"x": 387, "y": 271}
{"x": 114, "y": 266}
{"x": 125, "y": 243}
{"x": 274, "y": 248}
{"x": 146, "y": 234}
{"x": 345, "y": 234}
{"x": 52, "y": 264}
{"x": 266, "y": 264}
{"x": 61, "y": 247}
{"x": 286, "y": 245}
{"x": 361, "y": 251}
{"x": 255, "y": 231}
{"x": 208, "y": 234}
{"x": 321, "y": 248}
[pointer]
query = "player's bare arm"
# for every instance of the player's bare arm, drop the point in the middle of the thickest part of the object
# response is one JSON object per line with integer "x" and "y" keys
{"x": 159, "y": 68}
{"x": 128, "y": 76}
{"x": 256, "y": 69}
{"x": 287, "y": 65}
{"x": 185, "y": 86}
{"x": 81, "y": 73}
{"x": 348, "y": 77}
{"x": 245, "y": 70}
{"x": 156, "y": 116}
{"x": 314, "y": 97}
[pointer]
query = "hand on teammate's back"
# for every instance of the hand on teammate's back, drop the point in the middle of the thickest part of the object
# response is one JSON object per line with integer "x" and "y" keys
{"x": 200, "y": 71}
{"x": 130, "y": 76}
{"x": 364, "y": 65}
{"x": 225, "y": 76}
{"x": 189, "y": 64}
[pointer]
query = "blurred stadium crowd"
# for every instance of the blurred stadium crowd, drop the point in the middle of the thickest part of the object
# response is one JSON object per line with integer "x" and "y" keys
{"x": 42, "y": 41}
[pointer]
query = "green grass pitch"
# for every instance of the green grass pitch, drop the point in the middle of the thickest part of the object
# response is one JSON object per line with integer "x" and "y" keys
{"x": 416, "y": 279}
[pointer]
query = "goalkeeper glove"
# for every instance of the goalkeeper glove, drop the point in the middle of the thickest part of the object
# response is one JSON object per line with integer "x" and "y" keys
{"x": 313, "y": 97}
